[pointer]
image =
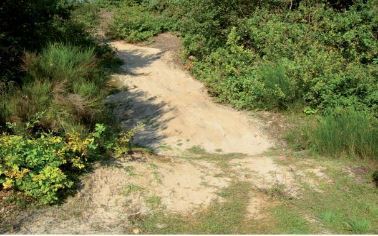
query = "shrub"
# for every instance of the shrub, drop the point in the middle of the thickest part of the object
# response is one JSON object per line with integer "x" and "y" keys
{"x": 134, "y": 23}
{"x": 87, "y": 15}
{"x": 123, "y": 144}
{"x": 40, "y": 167}
{"x": 48, "y": 116}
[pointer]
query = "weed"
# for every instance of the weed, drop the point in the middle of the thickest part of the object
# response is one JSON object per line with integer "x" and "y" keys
{"x": 130, "y": 171}
{"x": 359, "y": 226}
{"x": 155, "y": 172}
{"x": 132, "y": 188}
{"x": 153, "y": 201}
{"x": 289, "y": 221}
{"x": 198, "y": 150}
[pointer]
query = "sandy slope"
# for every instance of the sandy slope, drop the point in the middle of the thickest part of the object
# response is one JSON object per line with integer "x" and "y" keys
{"x": 176, "y": 108}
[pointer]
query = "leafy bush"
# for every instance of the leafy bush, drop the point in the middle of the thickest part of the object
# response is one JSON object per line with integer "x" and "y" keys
{"x": 40, "y": 167}
{"x": 133, "y": 23}
{"x": 122, "y": 145}
{"x": 322, "y": 72}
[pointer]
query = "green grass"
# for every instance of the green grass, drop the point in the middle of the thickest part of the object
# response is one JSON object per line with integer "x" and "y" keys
{"x": 340, "y": 133}
{"x": 132, "y": 188}
{"x": 348, "y": 132}
{"x": 289, "y": 221}
{"x": 153, "y": 201}
{"x": 64, "y": 83}
{"x": 59, "y": 62}
{"x": 345, "y": 205}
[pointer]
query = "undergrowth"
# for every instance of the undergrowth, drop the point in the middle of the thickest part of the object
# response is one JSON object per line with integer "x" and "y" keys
{"x": 53, "y": 121}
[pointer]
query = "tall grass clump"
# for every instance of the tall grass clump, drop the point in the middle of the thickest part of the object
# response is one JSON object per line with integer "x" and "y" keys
{"x": 59, "y": 62}
{"x": 339, "y": 133}
{"x": 64, "y": 83}
{"x": 346, "y": 132}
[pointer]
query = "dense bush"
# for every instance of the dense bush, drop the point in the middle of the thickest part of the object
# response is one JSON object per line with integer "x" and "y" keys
{"x": 49, "y": 112}
{"x": 132, "y": 23}
{"x": 328, "y": 61}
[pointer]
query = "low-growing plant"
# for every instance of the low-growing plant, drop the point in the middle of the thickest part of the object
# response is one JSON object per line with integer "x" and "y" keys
{"x": 123, "y": 144}
{"x": 40, "y": 167}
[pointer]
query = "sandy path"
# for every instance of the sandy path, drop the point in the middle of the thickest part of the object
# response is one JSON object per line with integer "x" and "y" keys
{"x": 176, "y": 108}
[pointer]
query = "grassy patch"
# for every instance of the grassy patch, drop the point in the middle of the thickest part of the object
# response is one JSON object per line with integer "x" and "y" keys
{"x": 153, "y": 201}
{"x": 155, "y": 172}
{"x": 198, "y": 150}
{"x": 342, "y": 132}
{"x": 346, "y": 206}
{"x": 345, "y": 203}
{"x": 132, "y": 188}
{"x": 289, "y": 221}
{"x": 221, "y": 217}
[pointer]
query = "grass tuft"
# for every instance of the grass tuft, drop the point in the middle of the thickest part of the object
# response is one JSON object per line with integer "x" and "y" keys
{"x": 342, "y": 132}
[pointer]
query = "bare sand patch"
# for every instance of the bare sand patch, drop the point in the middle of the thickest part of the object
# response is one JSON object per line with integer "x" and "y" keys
{"x": 182, "y": 186}
{"x": 176, "y": 108}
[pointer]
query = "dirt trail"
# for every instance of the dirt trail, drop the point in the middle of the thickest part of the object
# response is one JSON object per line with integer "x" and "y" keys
{"x": 176, "y": 108}
{"x": 178, "y": 114}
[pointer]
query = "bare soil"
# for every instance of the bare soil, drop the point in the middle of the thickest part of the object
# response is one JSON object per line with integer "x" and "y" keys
{"x": 176, "y": 109}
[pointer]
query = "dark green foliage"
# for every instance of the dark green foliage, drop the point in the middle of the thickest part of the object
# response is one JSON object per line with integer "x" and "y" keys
{"x": 327, "y": 61}
{"x": 133, "y": 25}
{"x": 375, "y": 178}
{"x": 26, "y": 25}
